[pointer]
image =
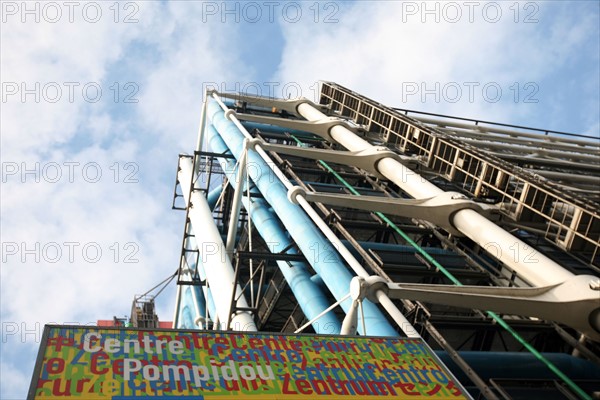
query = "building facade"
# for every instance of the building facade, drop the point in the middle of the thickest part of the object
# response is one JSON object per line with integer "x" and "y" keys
{"x": 349, "y": 217}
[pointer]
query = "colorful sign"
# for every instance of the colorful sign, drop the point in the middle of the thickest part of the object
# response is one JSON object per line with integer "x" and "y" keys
{"x": 126, "y": 364}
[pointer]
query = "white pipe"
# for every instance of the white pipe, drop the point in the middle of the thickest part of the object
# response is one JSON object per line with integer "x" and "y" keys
{"x": 177, "y": 303}
{"x": 237, "y": 203}
{"x": 506, "y": 132}
{"x": 537, "y": 144}
{"x": 387, "y": 304}
{"x": 200, "y": 139}
{"x": 218, "y": 268}
{"x": 531, "y": 266}
{"x": 527, "y": 150}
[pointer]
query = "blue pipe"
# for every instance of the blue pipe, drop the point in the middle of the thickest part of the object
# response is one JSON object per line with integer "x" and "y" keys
{"x": 277, "y": 129}
{"x": 310, "y": 297}
{"x": 213, "y": 196}
{"x": 315, "y": 247}
{"x": 489, "y": 365}
{"x": 204, "y": 299}
{"x": 317, "y": 280}
{"x": 187, "y": 308}
{"x": 206, "y": 294}
{"x": 397, "y": 247}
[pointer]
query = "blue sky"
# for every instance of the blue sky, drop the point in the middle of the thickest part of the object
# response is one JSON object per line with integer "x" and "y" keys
{"x": 526, "y": 63}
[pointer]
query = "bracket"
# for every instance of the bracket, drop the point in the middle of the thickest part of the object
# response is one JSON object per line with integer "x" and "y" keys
{"x": 320, "y": 128}
{"x": 290, "y": 106}
{"x": 573, "y": 302}
{"x": 365, "y": 159}
{"x": 439, "y": 209}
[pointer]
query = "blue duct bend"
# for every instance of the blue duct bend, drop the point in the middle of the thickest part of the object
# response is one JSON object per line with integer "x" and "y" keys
{"x": 315, "y": 247}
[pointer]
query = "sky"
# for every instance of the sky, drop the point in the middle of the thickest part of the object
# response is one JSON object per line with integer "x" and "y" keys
{"x": 100, "y": 97}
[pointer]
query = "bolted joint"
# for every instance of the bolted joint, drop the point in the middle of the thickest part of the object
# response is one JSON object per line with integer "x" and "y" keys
{"x": 361, "y": 288}
{"x": 229, "y": 114}
{"x": 294, "y": 192}
{"x": 252, "y": 143}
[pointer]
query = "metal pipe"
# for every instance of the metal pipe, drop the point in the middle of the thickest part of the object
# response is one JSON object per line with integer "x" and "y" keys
{"x": 219, "y": 271}
{"x": 534, "y": 267}
{"x": 532, "y": 143}
{"x": 563, "y": 176}
{"x": 527, "y": 150}
{"x": 176, "y": 311}
{"x": 318, "y": 251}
{"x": 240, "y": 178}
{"x": 213, "y": 196}
{"x": 201, "y": 301}
{"x": 310, "y": 297}
{"x": 354, "y": 264}
{"x": 501, "y": 131}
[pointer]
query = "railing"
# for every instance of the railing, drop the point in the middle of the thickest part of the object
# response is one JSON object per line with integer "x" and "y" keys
{"x": 570, "y": 221}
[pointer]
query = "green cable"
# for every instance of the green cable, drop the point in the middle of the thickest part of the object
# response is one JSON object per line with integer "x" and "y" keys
{"x": 453, "y": 279}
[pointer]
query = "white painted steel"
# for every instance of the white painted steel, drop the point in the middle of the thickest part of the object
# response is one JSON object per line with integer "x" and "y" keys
{"x": 490, "y": 129}
{"x": 387, "y": 304}
{"x": 217, "y": 265}
{"x": 237, "y": 203}
{"x": 533, "y": 267}
{"x": 176, "y": 312}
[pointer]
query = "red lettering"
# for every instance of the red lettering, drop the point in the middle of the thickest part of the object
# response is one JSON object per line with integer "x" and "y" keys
{"x": 117, "y": 367}
{"x": 286, "y": 385}
{"x": 55, "y": 365}
{"x": 95, "y": 364}
{"x": 42, "y": 383}
{"x": 231, "y": 386}
{"x": 304, "y": 386}
{"x": 59, "y": 342}
{"x": 321, "y": 387}
{"x": 186, "y": 341}
{"x": 296, "y": 345}
{"x": 235, "y": 343}
{"x": 57, "y": 391}
{"x": 407, "y": 388}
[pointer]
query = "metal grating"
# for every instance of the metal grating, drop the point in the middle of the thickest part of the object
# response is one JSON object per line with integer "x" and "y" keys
{"x": 569, "y": 219}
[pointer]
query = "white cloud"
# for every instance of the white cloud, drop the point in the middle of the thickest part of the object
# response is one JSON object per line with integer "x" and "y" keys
{"x": 13, "y": 380}
{"x": 62, "y": 65}
{"x": 382, "y": 50}
{"x": 169, "y": 55}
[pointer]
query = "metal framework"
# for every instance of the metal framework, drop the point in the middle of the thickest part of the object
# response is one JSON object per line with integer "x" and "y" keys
{"x": 287, "y": 202}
